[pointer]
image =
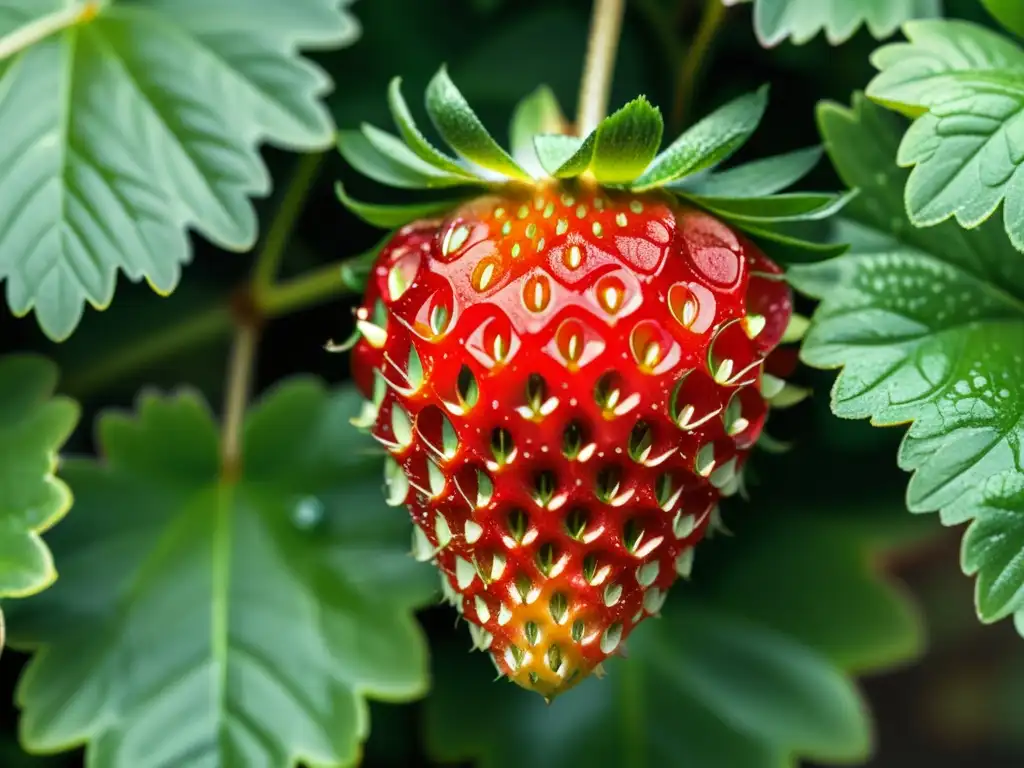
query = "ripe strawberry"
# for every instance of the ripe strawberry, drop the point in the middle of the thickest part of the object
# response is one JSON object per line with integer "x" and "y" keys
{"x": 567, "y": 380}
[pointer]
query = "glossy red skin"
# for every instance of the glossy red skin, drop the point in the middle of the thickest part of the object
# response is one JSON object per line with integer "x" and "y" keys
{"x": 652, "y": 260}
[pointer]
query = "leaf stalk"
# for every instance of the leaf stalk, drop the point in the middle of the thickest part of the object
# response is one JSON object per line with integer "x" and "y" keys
{"x": 602, "y": 47}
{"x": 26, "y": 36}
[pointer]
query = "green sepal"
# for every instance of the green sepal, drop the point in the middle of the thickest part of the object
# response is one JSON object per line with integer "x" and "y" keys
{"x": 793, "y": 243}
{"x": 539, "y": 113}
{"x": 397, "y": 150}
{"x": 462, "y": 130}
{"x": 758, "y": 178}
{"x": 621, "y": 147}
{"x": 392, "y": 216}
{"x": 414, "y": 138}
{"x": 391, "y": 169}
{"x": 708, "y": 142}
{"x": 793, "y": 206}
{"x": 554, "y": 150}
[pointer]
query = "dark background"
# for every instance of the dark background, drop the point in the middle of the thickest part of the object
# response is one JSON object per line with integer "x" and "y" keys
{"x": 962, "y": 705}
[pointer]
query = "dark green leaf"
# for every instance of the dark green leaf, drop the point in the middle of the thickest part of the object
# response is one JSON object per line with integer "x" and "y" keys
{"x": 795, "y": 206}
{"x": 535, "y": 115}
{"x": 755, "y": 179}
{"x": 928, "y": 326}
{"x": 993, "y": 547}
{"x": 806, "y": 242}
{"x": 123, "y": 133}
{"x": 415, "y": 139}
{"x": 621, "y": 147}
{"x": 742, "y": 670}
{"x": 555, "y": 150}
{"x": 393, "y": 216}
{"x": 33, "y": 426}
{"x": 462, "y": 129}
{"x": 210, "y": 621}
{"x": 709, "y": 142}
{"x": 965, "y": 86}
{"x": 799, "y": 21}
{"x": 1009, "y": 13}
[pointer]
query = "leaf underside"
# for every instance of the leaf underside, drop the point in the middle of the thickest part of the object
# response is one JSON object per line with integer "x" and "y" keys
{"x": 122, "y": 133}
{"x": 249, "y": 619}
{"x": 928, "y": 328}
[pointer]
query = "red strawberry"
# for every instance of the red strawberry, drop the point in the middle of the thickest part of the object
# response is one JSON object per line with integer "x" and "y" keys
{"x": 566, "y": 382}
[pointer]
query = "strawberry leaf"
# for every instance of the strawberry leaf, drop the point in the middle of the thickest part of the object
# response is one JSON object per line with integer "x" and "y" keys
{"x": 249, "y": 617}
{"x": 392, "y": 216}
{"x": 794, "y": 206}
{"x": 93, "y": 190}
{"x": 621, "y": 147}
{"x": 805, "y": 242}
{"x": 742, "y": 669}
{"x": 799, "y": 21}
{"x": 537, "y": 114}
{"x": 755, "y": 179}
{"x": 993, "y": 547}
{"x": 708, "y": 142}
{"x": 555, "y": 150}
{"x": 928, "y": 326}
{"x": 33, "y": 425}
{"x": 964, "y": 84}
{"x": 384, "y": 158}
{"x": 1009, "y": 13}
{"x": 462, "y": 130}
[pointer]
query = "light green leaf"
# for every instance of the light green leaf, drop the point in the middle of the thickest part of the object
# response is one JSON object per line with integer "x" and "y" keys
{"x": 621, "y": 147}
{"x": 555, "y": 150}
{"x": 709, "y": 142}
{"x": 212, "y": 621}
{"x": 123, "y": 133}
{"x": 800, "y": 21}
{"x": 741, "y": 670}
{"x": 755, "y": 179}
{"x": 414, "y": 138}
{"x": 385, "y": 159}
{"x": 537, "y": 114}
{"x": 33, "y": 426}
{"x": 1009, "y": 13}
{"x": 392, "y": 216}
{"x": 928, "y": 326}
{"x": 965, "y": 86}
{"x": 793, "y": 206}
{"x": 462, "y": 130}
{"x": 395, "y": 149}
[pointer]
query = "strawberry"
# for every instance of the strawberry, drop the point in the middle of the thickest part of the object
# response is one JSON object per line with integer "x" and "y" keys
{"x": 568, "y": 381}
{"x": 567, "y": 366}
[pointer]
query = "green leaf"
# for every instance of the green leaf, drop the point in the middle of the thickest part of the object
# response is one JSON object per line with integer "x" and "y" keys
{"x": 709, "y": 142}
{"x": 742, "y": 669}
{"x": 759, "y": 178}
{"x": 965, "y": 86}
{"x": 392, "y": 216}
{"x": 794, "y": 206}
{"x": 537, "y": 114}
{"x": 206, "y": 620}
{"x": 928, "y": 326}
{"x": 33, "y": 426}
{"x": 799, "y": 21}
{"x": 621, "y": 147}
{"x": 462, "y": 129}
{"x": 414, "y": 138}
{"x": 993, "y": 547}
{"x": 383, "y": 158}
{"x": 1009, "y": 13}
{"x": 555, "y": 150}
{"x": 804, "y": 242}
{"x": 123, "y": 133}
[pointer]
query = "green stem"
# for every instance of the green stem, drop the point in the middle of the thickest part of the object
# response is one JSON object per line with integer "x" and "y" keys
{"x": 686, "y": 83}
{"x": 39, "y": 29}
{"x": 268, "y": 262}
{"x": 308, "y": 290}
{"x": 602, "y": 46}
{"x": 239, "y": 384}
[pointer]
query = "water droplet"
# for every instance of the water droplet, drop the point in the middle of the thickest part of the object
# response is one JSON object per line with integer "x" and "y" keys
{"x": 307, "y": 513}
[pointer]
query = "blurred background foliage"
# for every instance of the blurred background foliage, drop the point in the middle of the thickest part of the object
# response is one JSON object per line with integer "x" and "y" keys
{"x": 961, "y": 705}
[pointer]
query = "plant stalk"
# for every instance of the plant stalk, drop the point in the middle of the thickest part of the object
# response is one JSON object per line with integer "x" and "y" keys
{"x": 686, "y": 83}
{"x": 602, "y": 47}
{"x": 236, "y": 399}
{"x": 35, "y": 31}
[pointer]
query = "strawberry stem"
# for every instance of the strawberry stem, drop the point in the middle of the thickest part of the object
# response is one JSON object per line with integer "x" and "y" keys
{"x": 39, "y": 29}
{"x": 686, "y": 82}
{"x": 239, "y": 384}
{"x": 602, "y": 47}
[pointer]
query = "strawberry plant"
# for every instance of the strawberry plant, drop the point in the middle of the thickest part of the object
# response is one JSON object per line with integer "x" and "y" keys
{"x": 576, "y": 392}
